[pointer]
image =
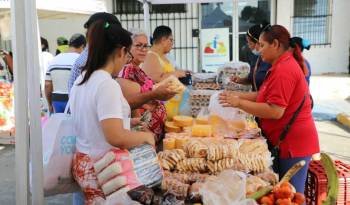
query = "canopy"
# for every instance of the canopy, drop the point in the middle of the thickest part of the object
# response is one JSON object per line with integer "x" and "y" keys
{"x": 181, "y": 1}
{"x": 65, "y": 6}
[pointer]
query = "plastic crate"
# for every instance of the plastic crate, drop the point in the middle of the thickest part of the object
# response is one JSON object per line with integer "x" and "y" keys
{"x": 316, "y": 183}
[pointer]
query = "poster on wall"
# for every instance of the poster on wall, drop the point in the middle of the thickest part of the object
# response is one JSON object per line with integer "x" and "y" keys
{"x": 215, "y": 50}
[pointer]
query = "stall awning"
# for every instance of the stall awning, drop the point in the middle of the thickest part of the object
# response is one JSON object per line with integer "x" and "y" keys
{"x": 181, "y": 1}
{"x": 65, "y": 6}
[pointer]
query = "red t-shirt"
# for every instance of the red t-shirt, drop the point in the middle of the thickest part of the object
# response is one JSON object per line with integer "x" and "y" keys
{"x": 285, "y": 86}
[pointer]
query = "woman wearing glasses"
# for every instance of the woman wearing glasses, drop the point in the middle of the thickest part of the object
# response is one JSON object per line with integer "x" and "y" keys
{"x": 283, "y": 96}
{"x": 139, "y": 85}
{"x": 258, "y": 68}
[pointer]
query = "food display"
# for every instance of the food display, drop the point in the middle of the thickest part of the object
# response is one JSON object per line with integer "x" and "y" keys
{"x": 6, "y": 109}
{"x": 215, "y": 155}
{"x": 234, "y": 69}
{"x": 200, "y": 99}
{"x": 173, "y": 84}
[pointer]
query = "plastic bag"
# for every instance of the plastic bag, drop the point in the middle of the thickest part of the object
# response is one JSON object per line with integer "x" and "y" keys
{"x": 228, "y": 188}
{"x": 227, "y": 113}
{"x": 58, "y": 149}
{"x": 128, "y": 168}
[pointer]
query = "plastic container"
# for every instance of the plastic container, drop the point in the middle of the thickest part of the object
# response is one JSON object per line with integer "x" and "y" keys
{"x": 316, "y": 183}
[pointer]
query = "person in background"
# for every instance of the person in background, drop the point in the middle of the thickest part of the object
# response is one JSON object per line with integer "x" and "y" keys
{"x": 100, "y": 113}
{"x": 258, "y": 68}
{"x": 136, "y": 84}
{"x": 284, "y": 94}
{"x": 302, "y": 44}
{"x": 45, "y": 58}
{"x": 58, "y": 73}
{"x": 81, "y": 61}
{"x": 62, "y": 45}
{"x": 158, "y": 67}
{"x": 156, "y": 64}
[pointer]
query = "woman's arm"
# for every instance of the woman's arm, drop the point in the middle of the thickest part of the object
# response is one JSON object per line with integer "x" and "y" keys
{"x": 152, "y": 67}
{"x": 251, "y": 96}
{"x": 117, "y": 136}
{"x": 261, "y": 110}
{"x": 131, "y": 92}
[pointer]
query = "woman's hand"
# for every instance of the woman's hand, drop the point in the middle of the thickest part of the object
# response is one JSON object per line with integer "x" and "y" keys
{"x": 180, "y": 73}
{"x": 163, "y": 92}
{"x": 229, "y": 99}
{"x": 150, "y": 139}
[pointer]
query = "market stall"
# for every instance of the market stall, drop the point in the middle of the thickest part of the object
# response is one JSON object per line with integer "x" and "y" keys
{"x": 51, "y": 9}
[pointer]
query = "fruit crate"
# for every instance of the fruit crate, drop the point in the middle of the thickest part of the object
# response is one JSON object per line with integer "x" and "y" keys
{"x": 316, "y": 183}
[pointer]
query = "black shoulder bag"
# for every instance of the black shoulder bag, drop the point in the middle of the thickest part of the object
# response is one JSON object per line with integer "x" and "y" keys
{"x": 275, "y": 150}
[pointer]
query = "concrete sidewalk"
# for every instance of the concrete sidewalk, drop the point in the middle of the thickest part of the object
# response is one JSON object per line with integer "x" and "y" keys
{"x": 330, "y": 93}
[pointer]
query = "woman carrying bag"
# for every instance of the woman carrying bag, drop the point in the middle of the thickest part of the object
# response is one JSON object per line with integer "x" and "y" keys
{"x": 282, "y": 104}
{"x": 100, "y": 113}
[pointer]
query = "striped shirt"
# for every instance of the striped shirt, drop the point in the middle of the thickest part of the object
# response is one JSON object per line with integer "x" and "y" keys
{"x": 59, "y": 71}
{"x": 77, "y": 67}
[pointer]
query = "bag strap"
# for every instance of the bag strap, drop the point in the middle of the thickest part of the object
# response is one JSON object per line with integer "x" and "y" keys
{"x": 67, "y": 108}
{"x": 291, "y": 121}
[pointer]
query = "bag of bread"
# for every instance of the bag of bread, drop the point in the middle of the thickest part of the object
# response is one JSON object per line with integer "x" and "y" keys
{"x": 128, "y": 168}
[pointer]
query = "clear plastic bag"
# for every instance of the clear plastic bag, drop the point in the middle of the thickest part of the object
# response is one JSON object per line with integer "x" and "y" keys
{"x": 228, "y": 188}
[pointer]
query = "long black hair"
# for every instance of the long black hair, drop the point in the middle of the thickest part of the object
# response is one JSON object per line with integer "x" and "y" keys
{"x": 104, "y": 40}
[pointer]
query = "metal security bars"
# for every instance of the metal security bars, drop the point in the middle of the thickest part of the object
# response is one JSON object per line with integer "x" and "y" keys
{"x": 181, "y": 18}
{"x": 312, "y": 20}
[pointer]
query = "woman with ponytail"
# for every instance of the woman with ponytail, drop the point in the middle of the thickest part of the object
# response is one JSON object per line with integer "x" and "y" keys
{"x": 101, "y": 114}
{"x": 282, "y": 105}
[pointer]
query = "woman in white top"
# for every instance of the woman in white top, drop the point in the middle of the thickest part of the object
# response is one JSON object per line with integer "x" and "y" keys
{"x": 100, "y": 112}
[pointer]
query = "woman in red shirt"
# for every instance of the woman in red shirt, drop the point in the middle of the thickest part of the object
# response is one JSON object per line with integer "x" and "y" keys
{"x": 279, "y": 97}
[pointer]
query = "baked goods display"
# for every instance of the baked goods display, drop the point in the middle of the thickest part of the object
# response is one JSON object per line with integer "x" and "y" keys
{"x": 215, "y": 155}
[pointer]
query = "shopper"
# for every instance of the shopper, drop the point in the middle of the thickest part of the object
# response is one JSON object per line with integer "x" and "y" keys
{"x": 258, "y": 68}
{"x": 283, "y": 94}
{"x": 158, "y": 67}
{"x": 139, "y": 85}
{"x": 100, "y": 113}
{"x": 302, "y": 44}
{"x": 156, "y": 64}
{"x": 58, "y": 73}
{"x": 45, "y": 58}
{"x": 81, "y": 61}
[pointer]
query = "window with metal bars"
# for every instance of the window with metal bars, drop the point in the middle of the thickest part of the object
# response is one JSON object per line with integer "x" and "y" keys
{"x": 136, "y": 7}
{"x": 312, "y": 20}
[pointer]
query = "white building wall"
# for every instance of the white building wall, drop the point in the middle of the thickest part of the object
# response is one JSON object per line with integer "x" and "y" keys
{"x": 51, "y": 29}
{"x": 332, "y": 58}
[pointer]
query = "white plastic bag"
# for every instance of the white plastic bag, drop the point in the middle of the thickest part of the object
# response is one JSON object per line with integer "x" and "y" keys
{"x": 229, "y": 188}
{"x": 59, "y": 141}
{"x": 227, "y": 113}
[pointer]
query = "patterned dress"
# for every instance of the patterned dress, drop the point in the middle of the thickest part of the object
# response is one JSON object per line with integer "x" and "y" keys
{"x": 136, "y": 74}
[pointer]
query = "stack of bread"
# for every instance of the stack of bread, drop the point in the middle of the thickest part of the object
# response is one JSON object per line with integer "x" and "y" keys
{"x": 211, "y": 155}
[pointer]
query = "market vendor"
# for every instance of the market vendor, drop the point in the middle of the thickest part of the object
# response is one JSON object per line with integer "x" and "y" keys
{"x": 6, "y": 66}
{"x": 100, "y": 113}
{"x": 283, "y": 95}
{"x": 258, "y": 68}
{"x": 138, "y": 89}
{"x": 158, "y": 67}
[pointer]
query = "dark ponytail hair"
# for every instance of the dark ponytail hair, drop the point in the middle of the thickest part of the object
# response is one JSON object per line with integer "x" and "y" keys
{"x": 281, "y": 34}
{"x": 104, "y": 40}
